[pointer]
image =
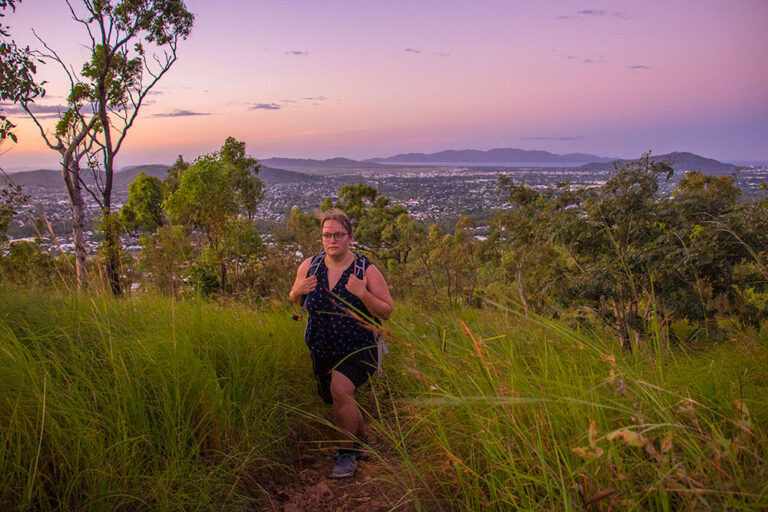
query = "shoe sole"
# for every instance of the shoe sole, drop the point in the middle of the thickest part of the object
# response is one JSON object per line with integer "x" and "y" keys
{"x": 345, "y": 475}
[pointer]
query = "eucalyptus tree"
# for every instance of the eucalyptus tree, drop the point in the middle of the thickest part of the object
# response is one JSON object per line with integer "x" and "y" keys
{"x": 132, "y": 46}
{"x": 213, "y": 194}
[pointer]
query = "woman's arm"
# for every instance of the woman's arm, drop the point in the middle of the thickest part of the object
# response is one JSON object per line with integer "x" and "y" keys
{"x": 303, "y": 284}
{"x": 373, "y": 291}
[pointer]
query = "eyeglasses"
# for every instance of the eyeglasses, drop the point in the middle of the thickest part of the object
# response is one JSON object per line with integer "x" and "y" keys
{"x": 336, "y": 236}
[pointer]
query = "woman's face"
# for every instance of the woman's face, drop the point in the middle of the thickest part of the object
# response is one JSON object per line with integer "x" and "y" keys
{"x": 336, "y": 240}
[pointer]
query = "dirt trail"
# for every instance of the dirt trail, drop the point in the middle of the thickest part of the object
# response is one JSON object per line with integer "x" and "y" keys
{"x": 369, "y": 490}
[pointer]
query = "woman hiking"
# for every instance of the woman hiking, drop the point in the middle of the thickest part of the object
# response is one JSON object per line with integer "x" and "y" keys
{"x": 345, "y": 295}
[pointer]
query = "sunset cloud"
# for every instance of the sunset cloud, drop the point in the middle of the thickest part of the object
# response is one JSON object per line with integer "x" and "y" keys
{"x": 593, "y": 13}
{"x": 181, "y": 113}
{"x": 265, "y": 106}
{"x": 42, "y": 111}
{"x": 296, "y": 52}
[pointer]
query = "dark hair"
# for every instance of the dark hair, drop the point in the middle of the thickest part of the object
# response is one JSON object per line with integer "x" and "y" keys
{"x": 337, "y": 215}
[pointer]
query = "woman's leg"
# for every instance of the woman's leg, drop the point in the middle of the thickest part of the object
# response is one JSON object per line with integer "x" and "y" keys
{"x": 348, "y": 415}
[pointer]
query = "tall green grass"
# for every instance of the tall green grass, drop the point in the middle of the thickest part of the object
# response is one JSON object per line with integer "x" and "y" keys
{"x": 145, "y": 403}
{"x": 503, "y": 412}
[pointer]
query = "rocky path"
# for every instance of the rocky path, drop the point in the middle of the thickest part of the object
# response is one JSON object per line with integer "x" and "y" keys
{"x": 369, "y": 490}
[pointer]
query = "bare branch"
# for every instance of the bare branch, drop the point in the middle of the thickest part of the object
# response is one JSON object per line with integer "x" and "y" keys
{"x": 54, "y": 57}
{"x": 170, "y": 59}
{"x": 98, "y": 193}
{"x": 78, "y": 19}
{"x": 59, "y": 146}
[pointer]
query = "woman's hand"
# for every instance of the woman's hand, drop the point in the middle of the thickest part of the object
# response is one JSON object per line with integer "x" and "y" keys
{"x": 357, "y": 287}
{"x": 304, "y": 286}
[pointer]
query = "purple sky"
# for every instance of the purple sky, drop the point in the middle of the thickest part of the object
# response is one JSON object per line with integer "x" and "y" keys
{"x": 318, "y": 79}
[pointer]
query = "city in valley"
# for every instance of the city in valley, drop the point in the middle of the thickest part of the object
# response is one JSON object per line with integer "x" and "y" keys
{"x": 429, "y": 193}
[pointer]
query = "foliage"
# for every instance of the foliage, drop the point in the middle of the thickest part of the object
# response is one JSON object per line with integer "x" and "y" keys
{"x": 144, "y": 207}
{"x": 173, "y": 180}
{"x": 248, "y": 188}
{"x": 304, "y": 230}
{"x": 17, "y": 69}
{"x": 636, "y": 258}
{"x": 11, "y": 198}
{"x": 24, "y": 263}
{"x": 163, "y": 257}
{"x": 243, "y": 249}
{"x": 205, "y": 199}
{"x": 211, "y": 195}
{"x": 201, "y": 279}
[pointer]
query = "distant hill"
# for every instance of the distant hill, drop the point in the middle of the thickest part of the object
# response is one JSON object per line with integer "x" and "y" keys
{"x": 492, "y": 156}
{"x": 271, "y": 175}
{"x": 124, "y": 177}
{"x": 38, "y": 178}
{"x": 52, "y": 179}
{"x": 308, "y": 163}
{"x": 679, "y": 161}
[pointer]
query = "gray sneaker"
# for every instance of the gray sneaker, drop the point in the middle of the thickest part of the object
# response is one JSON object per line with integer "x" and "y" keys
{"x": 345, "y": 465}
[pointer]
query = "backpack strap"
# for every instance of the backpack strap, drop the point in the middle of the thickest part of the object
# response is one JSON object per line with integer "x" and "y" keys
{"x": 381, "y": 348}
{"x": 360, "y": 266}
{"x": 313, "y": 266}
{"x": 315, "y": 263}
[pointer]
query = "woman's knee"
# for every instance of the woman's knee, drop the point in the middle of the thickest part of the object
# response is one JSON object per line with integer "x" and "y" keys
{"x": 342, "y": 389}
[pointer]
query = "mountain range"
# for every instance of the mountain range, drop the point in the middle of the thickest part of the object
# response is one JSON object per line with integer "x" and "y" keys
{"x": 679, "y": 161}
{"x": 52, "y": 179}
{"x": 289, "y": 170}
{"x": 492, "y": 156}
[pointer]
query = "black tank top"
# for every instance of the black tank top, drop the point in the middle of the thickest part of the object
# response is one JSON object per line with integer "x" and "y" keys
{"x": 332, "y": 332}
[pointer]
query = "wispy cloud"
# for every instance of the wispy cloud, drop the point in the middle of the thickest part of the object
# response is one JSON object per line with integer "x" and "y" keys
{"x": 412, "y": 50}
{"x": 42, "y": 111}
{"x": 441, "y": 54}
{"x": 289, "y": 103}
{"x": 296, "y": 52}
{"x": 181, "y": 113}
{"x": 595, "y": 59}
{"x": 640, "y": 67}
{"x": 593, "y": 13}
{"x": 265, "y": 106}
{"x": 556, "y": 137}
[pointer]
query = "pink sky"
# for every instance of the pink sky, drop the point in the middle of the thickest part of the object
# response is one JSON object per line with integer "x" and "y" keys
{"x": 319, "y": 79}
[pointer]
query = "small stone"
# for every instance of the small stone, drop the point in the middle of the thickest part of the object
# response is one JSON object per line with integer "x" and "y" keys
{"x": 322, "y": 488}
